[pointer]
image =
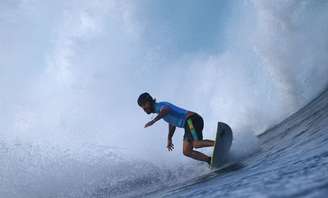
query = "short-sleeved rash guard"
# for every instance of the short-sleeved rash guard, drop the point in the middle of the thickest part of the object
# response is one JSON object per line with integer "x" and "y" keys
{"x": 176, "y": 116}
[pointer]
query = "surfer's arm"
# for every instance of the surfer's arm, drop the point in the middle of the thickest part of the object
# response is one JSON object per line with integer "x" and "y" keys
{"x": 170, "y": 145}
{"x": 171, "y": 131}
{"x": 164, "y": 111}
{"x": 161, "y": 114}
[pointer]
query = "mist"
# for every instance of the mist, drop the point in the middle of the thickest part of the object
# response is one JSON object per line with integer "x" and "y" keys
{"x": 71, "y": 72}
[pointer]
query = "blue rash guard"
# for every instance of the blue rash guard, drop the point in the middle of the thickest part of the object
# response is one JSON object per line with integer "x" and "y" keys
{"x": 176, "y": 116}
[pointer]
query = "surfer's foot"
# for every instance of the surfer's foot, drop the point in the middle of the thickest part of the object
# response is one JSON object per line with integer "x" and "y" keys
{"x": 209, "y": 160}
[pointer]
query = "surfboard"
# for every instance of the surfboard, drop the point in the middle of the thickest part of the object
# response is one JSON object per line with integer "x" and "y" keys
{"x": 222, "y": 145}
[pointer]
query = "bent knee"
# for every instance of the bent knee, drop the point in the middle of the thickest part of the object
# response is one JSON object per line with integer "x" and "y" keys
{"x": 187, "y": 148}
{"x": 187, "y": 151}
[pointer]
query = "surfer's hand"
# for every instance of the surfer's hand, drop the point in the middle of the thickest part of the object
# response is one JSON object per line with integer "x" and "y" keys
{"x": 170, "y": 146}
{"x": 149, "y": 124}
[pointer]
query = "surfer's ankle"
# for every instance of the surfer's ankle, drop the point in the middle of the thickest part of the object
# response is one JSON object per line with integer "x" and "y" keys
{"x": 209, "y": 160}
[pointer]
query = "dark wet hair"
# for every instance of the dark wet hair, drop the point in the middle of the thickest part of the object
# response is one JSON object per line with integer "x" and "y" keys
{"x": 145, "y": 97}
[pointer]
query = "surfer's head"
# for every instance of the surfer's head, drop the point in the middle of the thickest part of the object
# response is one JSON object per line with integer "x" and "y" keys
{"x": 146, "y": 101}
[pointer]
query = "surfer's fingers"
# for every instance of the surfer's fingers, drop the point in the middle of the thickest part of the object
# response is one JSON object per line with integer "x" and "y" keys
{"x": 170, "y": 147}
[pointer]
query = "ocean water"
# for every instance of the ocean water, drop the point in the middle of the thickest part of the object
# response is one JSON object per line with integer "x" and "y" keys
{"x": 292, "y": 162}
{"x": 71, "y": 72}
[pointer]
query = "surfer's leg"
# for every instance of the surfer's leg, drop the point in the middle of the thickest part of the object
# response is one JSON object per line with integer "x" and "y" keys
{"x": 202, "y": 143}
{"x": 188, "y": 151}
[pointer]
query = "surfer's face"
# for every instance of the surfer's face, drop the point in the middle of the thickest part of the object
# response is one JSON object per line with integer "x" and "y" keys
{"x": 147, "y": 107}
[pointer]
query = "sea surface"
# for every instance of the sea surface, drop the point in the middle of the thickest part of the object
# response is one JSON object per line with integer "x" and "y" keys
{"x": 292, "y": 162}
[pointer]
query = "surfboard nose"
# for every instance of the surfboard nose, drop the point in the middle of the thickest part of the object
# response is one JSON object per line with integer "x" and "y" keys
{"x": 222, "y": 145}
{"x": 224, "y": 129}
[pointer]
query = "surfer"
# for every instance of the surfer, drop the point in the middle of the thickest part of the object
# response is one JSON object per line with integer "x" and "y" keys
{"x": 177, "y": 117}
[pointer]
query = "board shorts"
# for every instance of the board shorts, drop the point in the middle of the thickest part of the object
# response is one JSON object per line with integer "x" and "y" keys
{"x": 193, "y": 128}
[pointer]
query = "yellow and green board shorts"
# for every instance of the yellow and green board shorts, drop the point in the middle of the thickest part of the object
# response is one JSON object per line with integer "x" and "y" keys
{"x": 194, "y": 128}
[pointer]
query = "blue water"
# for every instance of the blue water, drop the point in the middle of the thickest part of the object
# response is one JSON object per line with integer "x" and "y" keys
{"x": 71, "y": 71}
{"x": 292, "y": 162}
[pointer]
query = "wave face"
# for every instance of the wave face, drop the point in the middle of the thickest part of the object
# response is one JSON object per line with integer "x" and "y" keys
{"x": 292, "y": 162}
{"x": 71, "y": 71}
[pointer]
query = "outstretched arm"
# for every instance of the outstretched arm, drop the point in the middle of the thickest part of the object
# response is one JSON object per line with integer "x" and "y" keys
{"x": 161, "y": 114}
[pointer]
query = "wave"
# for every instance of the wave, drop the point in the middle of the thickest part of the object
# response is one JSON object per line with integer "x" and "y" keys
{"x": 30, "y": 170}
